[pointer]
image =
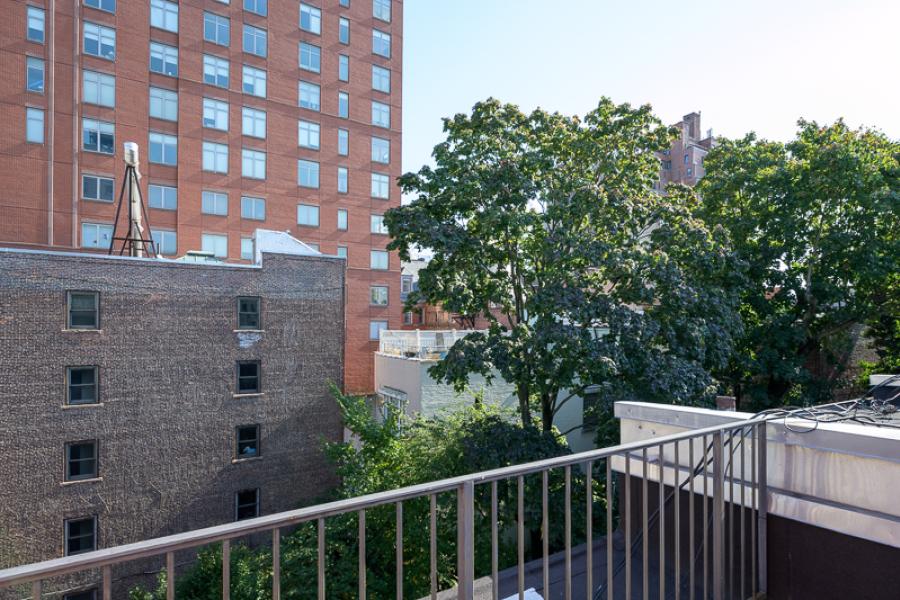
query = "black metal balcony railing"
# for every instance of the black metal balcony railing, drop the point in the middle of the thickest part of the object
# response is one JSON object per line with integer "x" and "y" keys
{"x": 713, "y": 488}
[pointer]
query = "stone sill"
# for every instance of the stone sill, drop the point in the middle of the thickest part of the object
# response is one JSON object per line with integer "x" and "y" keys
{"x": 85, "y": 405}
{"x": 77, "y": 481}
{"x": 253, "y": 395}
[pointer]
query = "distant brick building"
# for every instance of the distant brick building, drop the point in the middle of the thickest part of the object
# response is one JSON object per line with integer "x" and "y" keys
{"x": 683, "y": 162}
{"x": 143, "y": 397}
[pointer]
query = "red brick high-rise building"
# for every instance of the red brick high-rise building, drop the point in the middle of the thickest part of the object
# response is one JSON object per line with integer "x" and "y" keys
{"x": 279, "y": 114}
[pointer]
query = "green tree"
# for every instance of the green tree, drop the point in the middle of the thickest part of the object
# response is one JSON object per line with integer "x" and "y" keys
{"x": 815, "y": 221}
{"x": 550, "y": 227}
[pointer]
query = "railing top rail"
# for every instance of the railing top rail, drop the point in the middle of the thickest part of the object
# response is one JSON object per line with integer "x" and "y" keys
{"x": 208, "y": 535}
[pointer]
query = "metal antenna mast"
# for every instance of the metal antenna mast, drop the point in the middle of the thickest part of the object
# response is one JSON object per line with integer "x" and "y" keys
{"x": 134, "y": 242}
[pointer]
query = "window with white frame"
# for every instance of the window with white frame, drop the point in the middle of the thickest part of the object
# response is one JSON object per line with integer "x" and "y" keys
{"x": 310, "y": 18}
{"x": 381, "y": 150}
{"x": 255, "y": 40}
{"x": 36, "y": 24}
{"x": 253, "y": 122}
{"x": 381, "y": 79}
{"x": 343, "y": 142}
{"x": 97, "y": 188}
{"x": 307, "y": 173}
{"x": 378, "y": 295}
{"x": 378, "y": 260}
{"x": 163, "y": 197}
{"x": 166, "y": 241}
{"x": 375, "y": 329}
{"x": 107, "y": 5}
{"x": 310, "y": 57}
{"x": 308, "y": 215}
{"x": 164, "y": 15}
{"x": 381, "y": 43}
{"x": 381, "y": 186}
{"x": 253, "y": 164}
{"x": 215, "y": 157}
{"x": 215, "y": 71}
{"x": 247, "y": 248}
{"x": 308, "y": 134}
{"x": 342, "y": 180}
{"x": 342, "y": 219}
{"x": 253, "y": 208}
{"x": 310, "y": 96}
{"x": 34, "y": 75}
{"x": 214, "y": 203}
{"x": 215, "y": 114}
{"x": 343, "y": 67}
{"x": 99, "y": 40}
{"x": 344, "y": 105}
{"x": 99, "y": 88}
{"x": 98, "y": 136}
{"x": 254, "y": 81}
{"x": 216, "y": 243}
{"x": 381, "y": 9}
{"x": 216, "y": 29}
{"x": 259, "y": 7}
{"x": 378, "y": 225}
{"x": 163, "y": 59}
{"x": 163, "y": 104}
{"x": 96, "y": 235}
{"x": 34, "y": 125}
{"x": 381, "y": 114}
{"x": 163, "y": 149}
{"x": 344, "y": 31}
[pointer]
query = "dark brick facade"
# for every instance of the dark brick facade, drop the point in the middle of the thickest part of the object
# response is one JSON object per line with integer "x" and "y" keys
{"x": 165, "y": 423}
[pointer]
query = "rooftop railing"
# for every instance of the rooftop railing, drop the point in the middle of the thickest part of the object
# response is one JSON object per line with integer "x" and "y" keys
{"x": 420, "y": 344}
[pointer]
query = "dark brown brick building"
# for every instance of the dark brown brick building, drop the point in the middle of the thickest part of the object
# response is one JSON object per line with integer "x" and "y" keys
{"x": 143, "y": 397}
{"x": 249, "y": 113}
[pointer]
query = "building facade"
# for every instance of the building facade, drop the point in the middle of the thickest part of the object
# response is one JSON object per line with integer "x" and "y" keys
{"x": 145, "y": 397}
{"x": 283, "y": 114}
{"x": 683, "y": 162}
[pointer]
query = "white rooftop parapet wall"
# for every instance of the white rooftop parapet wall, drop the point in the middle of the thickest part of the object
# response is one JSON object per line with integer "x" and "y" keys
{"x": 419, "y": 344}
{"x": 839, "y": 476}
{"x": 279, "y": 242}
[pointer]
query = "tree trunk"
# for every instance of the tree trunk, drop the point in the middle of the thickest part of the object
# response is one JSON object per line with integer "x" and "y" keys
{"x": 524, "y": 407}
{"x": 546, "y": 412}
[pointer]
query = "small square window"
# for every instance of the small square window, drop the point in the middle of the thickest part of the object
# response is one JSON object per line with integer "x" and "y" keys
{"x": 163, "y": 59}
{"x": 378, "y": 225}
{"x": 81, "y": 535}
{"x": 81, "y": 460}
{"x": 247, "y": 441}
{"x": 255, "y": 40}
{"x": 381, "y": 43}
{"x": 215, "y": 114}
{"x": 254, "y": 81}
{"x": 215, "y": 243}
{"x": 308, "y": 215}
{"x": 260, "y": 7}
{"x": 164, "y": 15}
{"x": 310, "y": 96}
{"x": 378, "y": 260}
{"x": 248, "y": 377}
{"x": 214, "y": 203}
{"x": 375, "y": 329}
{"x": 310, "y": 57}
{"x": 246, "y": 504}
{"x": 82, "y": 385}
{"x": 96, "y": 235}
{"x": 248, "y": 312}
{"x": 378, "y": 295}
{"x": 381, "y": 115}
{"x": 166, "y": 242}
{"x": 381, "y": 9}
{"x": 216, "y": 29}
{"x": 307, "y": 173}
{"x": 342, "y": 252}
{"x": 84, "y": 310}
{"x": 310, "y": 19}
{"x": 97, "y": 188}
{"x": 99, "y": 41}
{"x": 308, "y": 135}
{"x": 381, "y": 79}
{"x": 253, "y": 208}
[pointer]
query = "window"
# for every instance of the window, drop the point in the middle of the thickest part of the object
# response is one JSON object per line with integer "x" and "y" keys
{"x": 82, "y": 381}
{"x": 687, "y": 158}
{"x": 378, "y": 295}
{"x": 99, "y": 88}
{"x": 308, "y": 214}
{"x": 375, "y": 329}
{"x": 344, "y": 31}
{"x": 690, "y": 171}
{"x": 166, "y": 242}
{"x": 381, "y": 43}
{"x": 36, "y": 24}
{"x": 667, "y": 164}
{"x": 107, "y": 5}
{"x": 99, "y": 189}
{"x": 247, "y": 248}
{"x": 84, "y": 311}
{"x": 246, "y": 441}
{"x": 380, "y": 186}
{"x": 81, "y": 460}
{"x": 345, "y": 3}
{"x": 381, "y": 114}
{"x": 164, "y": 15}
{"x": 260, "y": 7}
{"x": 342, "y": 252}
{"x": 344, "y": 105}
{"x": 310, "y": 94}
{"x": 254, "y": 81}
{"x": 216, "y": 29}
{"x": 407, "y": 318}
{"x": 96, "y": 235}
{"x": 214, "y": 203}
{"x": 307, "y": 173}
{"x": 34, "y": 125}
{"x": 248, "y": 377}
{"x": 253, "y": 208}
{"x": 248, "y": 312}
{"x": 255, "y": 40}
{"x": 343, "y": 67}
{"x": 162, "y": 196}
{"x": 342, "y": 219}
{"x": 215, "y": 71}
{"x": 381, "y": 150}
{"x": 310, "y": 57}
{"x": 215, "y": 243}
{"x": 163, "y": 104}
{"x": 253, "y": 164}
{"x": 163, "y": 149}
{"x": 97, "y": 136}
{"x": 378, "y": 226}
{"x": 342, "y": 177}
{"x": 381, "y": 79}
{"x": 215, "y": 157}
{"x": 378, "y": 260}
{"x": 34, "y": 75}
{"x": 81, "y": 535}
{"x": 163, "y": 59}
{"x": 99, "y": 41}
{"x": 406, "y": 282}
{"x": 308, "y": 134}
{"x": 88, "y": 595}
{"x": 246, "y": 504}
{"x": 310, "y": 19}
{"x": 215, "y": 114}
{"x": 343, "y": 142}
{"x": 381, "y": 9}
{"x": 254, "y": 122}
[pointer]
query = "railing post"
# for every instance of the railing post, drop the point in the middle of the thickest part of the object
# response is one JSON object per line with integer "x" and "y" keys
{"x": 762, "y": 499}
{"x": 718, "y": 516}
{"x": 465, "y": 540}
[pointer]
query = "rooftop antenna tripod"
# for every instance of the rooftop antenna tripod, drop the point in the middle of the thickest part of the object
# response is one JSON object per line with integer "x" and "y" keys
{"x": 133, "y": 242}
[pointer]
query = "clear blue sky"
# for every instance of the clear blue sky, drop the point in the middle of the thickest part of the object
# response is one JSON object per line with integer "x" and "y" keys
{"x": 757, "y": 65}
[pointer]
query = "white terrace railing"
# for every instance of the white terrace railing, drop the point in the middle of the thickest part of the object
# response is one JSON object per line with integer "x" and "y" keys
{"x": 420, "y": 344}
{"x": 709, "y": 540}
